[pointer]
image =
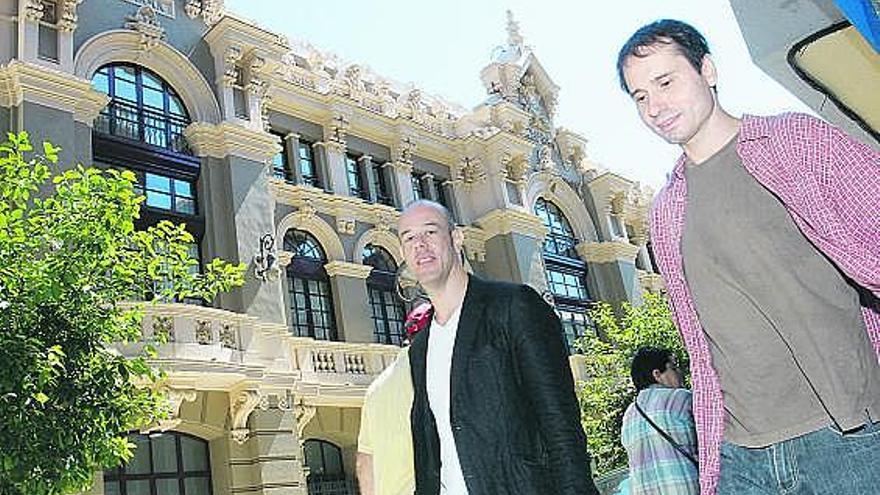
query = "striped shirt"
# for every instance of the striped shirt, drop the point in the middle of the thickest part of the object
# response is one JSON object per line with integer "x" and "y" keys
{"x": 655, "y": 466}
{"x": 830, "y": 184}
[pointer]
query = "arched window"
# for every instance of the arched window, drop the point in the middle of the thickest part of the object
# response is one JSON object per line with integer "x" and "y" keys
{"x": 164, "y": 463}
{"x": 326, "y": 471}
{"x": 387, "y": 309}
{"x": 143, "y": 107}
{"x": 566, "y": 273}
{"x": 311, "y": 303}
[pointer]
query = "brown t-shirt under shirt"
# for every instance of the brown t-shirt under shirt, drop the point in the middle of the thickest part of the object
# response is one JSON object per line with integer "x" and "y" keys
{"x": 783, "y": 324}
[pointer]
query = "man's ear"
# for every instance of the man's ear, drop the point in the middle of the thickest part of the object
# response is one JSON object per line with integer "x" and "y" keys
{"x": 656, "y": 375}
{"x": 457, "y": 239}
{"x": 708, "y": 71}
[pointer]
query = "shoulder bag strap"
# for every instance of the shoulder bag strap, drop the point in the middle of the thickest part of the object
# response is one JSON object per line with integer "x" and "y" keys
{"x": 665, "y": 435}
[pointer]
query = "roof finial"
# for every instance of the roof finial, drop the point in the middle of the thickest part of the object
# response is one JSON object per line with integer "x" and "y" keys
{"x": 513, "y": 36}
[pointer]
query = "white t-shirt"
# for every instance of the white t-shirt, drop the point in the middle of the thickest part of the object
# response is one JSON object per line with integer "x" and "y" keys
{"x": 441, "y": 342}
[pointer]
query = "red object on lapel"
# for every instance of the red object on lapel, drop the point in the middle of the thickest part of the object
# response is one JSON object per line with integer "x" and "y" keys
{"x": 417, "y": 319}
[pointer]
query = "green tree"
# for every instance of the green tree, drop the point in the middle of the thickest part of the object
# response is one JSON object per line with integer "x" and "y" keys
{"x": 609, "y": 390}
{"x": 69, "y": 255}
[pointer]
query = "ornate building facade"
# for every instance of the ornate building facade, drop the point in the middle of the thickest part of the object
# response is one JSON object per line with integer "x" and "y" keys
{"x": 286, "y": 158}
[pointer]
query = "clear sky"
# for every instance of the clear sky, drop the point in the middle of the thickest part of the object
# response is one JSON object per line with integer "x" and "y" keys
{"x": 441, "y": 47}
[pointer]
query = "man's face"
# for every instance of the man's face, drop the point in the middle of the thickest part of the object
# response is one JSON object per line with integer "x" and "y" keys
{"x": 673, "y": 99}
{"x": 430, "y": 249}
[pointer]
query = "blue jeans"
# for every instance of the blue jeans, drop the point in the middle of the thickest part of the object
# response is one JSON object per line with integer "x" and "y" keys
{"x": 824, "y": 462}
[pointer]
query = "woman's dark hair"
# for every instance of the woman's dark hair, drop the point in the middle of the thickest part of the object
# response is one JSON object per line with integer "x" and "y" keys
{"x": 646, "y": 360}
{"x": 688, "y": 40}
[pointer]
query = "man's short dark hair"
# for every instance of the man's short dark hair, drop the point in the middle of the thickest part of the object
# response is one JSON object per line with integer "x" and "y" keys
{"x": 645, "y": 361}
{"x": 685, "y": 37}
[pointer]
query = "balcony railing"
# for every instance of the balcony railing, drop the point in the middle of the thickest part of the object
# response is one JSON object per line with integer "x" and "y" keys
{"x": 198, "y": 334}
{"x": 127, "y": 120}
{"x": 333, "y": 487}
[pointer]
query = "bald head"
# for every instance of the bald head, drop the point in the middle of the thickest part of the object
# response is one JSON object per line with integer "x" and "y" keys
{"x": 427, "y": 203}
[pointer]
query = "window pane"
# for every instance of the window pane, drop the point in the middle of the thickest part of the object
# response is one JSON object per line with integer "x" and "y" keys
{"x": 168, "y": 486}
{"x": 47, "y": 45}
{"x": 197, "y": 486}
{"x": 111, "y": 488}
{"x": 101, "y": 82}
{"x": 159, "y": 200}
{"x": 175, "y": 106}
{"x": 139, "y": 487}
{"x": 140, "y": 463}
{"x": 195, "y": 454}
{"x": 125, "y": 90}
{"x": 158, "y": 183}
{"x": 164, "y": 454}
{"x": 154, "y": 98}
{"x": 182, "y": 188}
{"x": 150, "y": 81}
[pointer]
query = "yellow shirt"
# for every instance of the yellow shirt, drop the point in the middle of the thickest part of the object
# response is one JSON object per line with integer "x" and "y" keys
{"x": 385, "y": 428}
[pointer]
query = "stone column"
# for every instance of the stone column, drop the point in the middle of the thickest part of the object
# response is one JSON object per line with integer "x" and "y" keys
{"x": 319, "y": 151}
{"x": 401, "y": 182}
{"x": 336, "y": 176}
{"x": 351, "y": 303}
{"x": 271, "y": 459}
{"x": 291, "y": 148}
{"x": 365, "y": 163}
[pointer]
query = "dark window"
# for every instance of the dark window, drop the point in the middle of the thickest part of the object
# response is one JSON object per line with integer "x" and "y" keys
{"x": 311, "y": 303}
{"x": 387, "y": 309}
{"x": 167, "y": 193}
{"x": 47, "y": 42}
{"x": 355, "y": 178}
{"x": 418, "y": 186}
{"x": 167, "y": 463}
{"x": 280, "y": 165}
{"x": 307, "y": 164}
{"x": 142, "y": 107}
{"x": 383, "y": 192}
{"x": 239, "y": 100}
{"x": 565, "y": 272}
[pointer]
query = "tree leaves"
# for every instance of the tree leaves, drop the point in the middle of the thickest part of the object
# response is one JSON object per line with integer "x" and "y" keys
{"x": 609, "y": 390}
{"x": 69, "y": 254}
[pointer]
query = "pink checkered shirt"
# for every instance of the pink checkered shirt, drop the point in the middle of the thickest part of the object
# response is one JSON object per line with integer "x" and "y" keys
{"x": 830, "y": 184}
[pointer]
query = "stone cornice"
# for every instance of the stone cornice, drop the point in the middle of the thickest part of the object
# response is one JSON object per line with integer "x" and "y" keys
{"x": 22, "y": 81}
{"x": 346, "y": 269}
{"x": 332, "y": 204}
{"x": 225, "y": 139}
{"x": 607, "y": 252}
{"x": 500, "y": 222}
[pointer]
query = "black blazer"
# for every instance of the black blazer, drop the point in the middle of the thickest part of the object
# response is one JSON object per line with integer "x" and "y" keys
{"x": 514, "y": 415}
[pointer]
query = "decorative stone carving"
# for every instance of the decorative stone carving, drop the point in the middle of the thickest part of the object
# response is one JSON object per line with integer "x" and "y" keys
{"x": 204, "y": 332}
{"x": 470, "y": 171}
{"x": 345, "y": 225}
{"x": 303, "y": 415}
{"x": 146, "y": 22}
{"x": 227, "y": 336}
{"x": 514, "y": 167}
{"x": 339, "y": 130}
{"x": 193, "y": 8}
{"x": 231, "y": 57}
{"x": 241, "y": 405}
{"x": 33, "y": 10}
{"x": 163, "y": 328}
{"x": 68, "y": 19}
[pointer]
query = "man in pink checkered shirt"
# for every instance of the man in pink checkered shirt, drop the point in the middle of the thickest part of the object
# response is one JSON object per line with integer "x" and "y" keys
{"x": 768, "y": 237}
